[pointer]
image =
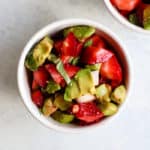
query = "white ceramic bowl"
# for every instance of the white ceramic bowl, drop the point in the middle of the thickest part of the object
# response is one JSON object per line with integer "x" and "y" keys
{"x": 52, "y": 28}
{"x": 123, "y": 20}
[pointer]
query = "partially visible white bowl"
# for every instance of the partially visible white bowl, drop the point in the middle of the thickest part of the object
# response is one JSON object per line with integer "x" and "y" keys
{"x": 123, "y": 20}
{"x": 52, "y": 28}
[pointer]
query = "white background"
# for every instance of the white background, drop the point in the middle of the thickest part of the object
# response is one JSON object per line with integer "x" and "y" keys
{"x": 19, "y": 20}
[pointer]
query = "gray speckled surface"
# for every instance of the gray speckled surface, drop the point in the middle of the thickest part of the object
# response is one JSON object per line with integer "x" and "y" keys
{"x": 19, "y": 20}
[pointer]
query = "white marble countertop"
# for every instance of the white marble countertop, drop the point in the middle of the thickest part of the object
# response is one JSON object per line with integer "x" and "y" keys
{"x": 19, "y": 20}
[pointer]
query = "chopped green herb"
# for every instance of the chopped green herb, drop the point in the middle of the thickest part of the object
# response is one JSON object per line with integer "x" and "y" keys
{"x": 75, "y": 61}
{"x": 61, "y": 70}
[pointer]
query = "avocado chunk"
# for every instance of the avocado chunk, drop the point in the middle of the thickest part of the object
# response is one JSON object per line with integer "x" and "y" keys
{"x": 62, "y": 117}
{"x": 94, "y": 67}
{"x": 72, "y": 91}
{"x": 30, "y": 62}
{"x": 119, "y": 94}
{"x": 48, "y": 107}
{"x": 103, "y": 93}
{"x": 61, "y": 103}
{"x": 80, "y": 32}
{"x": 108, "y": 109}
{"x": 85, "y": 81}
{"x": 39, "y": 54}
{"x": 52, "y": 87}
{"x": 81, "y": 84}
{"x": 146, "y": 18}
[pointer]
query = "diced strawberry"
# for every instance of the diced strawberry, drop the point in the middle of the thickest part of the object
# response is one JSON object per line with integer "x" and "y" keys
{"x": 97, "y": 52}
{"x": 103, "y": 80}
{"x": 124, "y": 13}
{"x": 111, "y": 70}
{"x": 65, "y": 59}
{"x": 58, "y": 46}
{"x": 92, "y": 55}
{"x": 41, "y": 76}
{"x": 127, "y": 5}
{"x": 51, "y": 68}
{"x": 70, "y": 69}
{"x": 87, "y": 112}
{"x": 70, "y": 46}
{"x": 35, "y": 85}
{"x": 97, "y": 41}
{"x": 79, "y": 48}
{"x": 37, "y": 98}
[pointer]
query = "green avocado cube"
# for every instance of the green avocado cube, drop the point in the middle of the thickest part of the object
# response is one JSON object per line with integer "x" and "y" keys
{"x": 62, "y": 117}
{"x": 80, "y": 32}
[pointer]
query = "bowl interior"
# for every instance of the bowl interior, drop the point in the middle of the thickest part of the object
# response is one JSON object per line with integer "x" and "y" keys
{"x": 123, "y": 20}
{"x": 50, "y": 30}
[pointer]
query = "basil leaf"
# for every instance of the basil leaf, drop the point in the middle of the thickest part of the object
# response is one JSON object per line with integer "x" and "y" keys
{"x": 61, "y": 70}
{"x": 74, "y": 61}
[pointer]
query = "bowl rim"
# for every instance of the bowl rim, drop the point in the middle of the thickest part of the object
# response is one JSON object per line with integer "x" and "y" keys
{"x": 67, "y": 23}
{"x": 114, "y": 12}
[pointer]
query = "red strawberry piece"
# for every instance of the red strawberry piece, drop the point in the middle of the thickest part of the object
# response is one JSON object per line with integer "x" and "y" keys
{"x": 124, "y": 13}
{"x": 87, "y": 112}
{"x": 79, "y": 49}
{"x": 92, "y": 55}
{"x": 71, "y": 46}
{"x": 35, "y": 85}
{"x": 65, "y": 59}
{"x": 97, "y": 52}
{"x": 41, "y": 76}
{"x": 111, "y": 70}
{"x": 58, "y": 46}
{"x": 37, "y": 98}
{"x": 51, "y": 68}
{"x": 127, "y": 5}
{"x": 102, "y": 80}
{"x": 70, "y": 69}
{"x": 97, "y": 41}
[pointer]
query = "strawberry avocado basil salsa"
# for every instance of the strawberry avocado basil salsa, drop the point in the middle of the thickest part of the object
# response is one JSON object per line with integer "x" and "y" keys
{"x": 136, "y": 11}
{"x": 75, "y": 77}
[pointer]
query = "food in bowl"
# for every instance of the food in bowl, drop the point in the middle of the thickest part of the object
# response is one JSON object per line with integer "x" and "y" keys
{"x": 137, "y": 12}
{"x": 75, "y": 76}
